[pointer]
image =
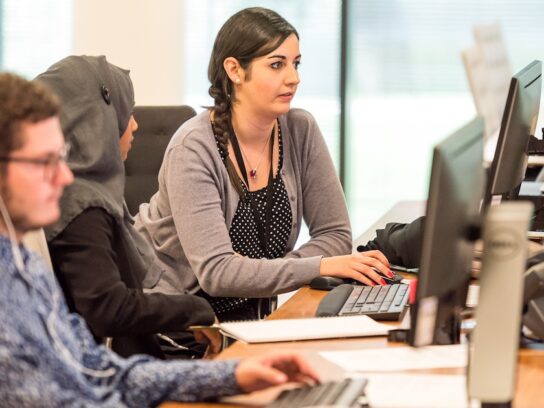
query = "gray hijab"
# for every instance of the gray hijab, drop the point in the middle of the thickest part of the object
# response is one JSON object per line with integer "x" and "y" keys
{"x": 97, "y": 101}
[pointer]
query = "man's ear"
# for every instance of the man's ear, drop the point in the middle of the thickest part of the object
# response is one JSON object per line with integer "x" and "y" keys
{"x": 233, "y": 69}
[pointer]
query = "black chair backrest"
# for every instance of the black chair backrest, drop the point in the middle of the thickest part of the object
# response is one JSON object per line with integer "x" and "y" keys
{"x": 156, "y": 125}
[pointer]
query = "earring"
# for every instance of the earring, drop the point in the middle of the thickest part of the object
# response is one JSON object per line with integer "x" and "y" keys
{"x": 237, "y": 80}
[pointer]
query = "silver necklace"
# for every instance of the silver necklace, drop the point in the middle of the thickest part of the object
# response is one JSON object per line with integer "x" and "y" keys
{"x": 253, "y": 169}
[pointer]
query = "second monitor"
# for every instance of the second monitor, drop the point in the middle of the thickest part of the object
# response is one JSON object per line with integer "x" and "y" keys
{"x": 518, "y": 124}
{"x": 453, "y": 208}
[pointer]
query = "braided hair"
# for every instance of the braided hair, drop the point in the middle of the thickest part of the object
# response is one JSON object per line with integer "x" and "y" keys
{"x": 248, "y": 34}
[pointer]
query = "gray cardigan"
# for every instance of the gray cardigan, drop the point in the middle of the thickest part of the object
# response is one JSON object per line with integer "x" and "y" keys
{"x": 187, "y": 221}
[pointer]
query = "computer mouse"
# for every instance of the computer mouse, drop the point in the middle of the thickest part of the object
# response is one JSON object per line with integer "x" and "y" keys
{"x": 388, "y": 281}
{"x": 326, "y": 282}
{"x": 391, "y": 281}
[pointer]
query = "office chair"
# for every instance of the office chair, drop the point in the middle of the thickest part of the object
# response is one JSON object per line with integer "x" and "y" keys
{"x": 156, "y": 125}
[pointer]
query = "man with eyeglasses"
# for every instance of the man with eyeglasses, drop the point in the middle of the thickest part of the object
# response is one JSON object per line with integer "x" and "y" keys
{"x": 48, "y": 357}
{"x": 32, "y": 146}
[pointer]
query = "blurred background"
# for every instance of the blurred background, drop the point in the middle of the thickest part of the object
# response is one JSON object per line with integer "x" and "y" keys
{"x": 404, "y": 86}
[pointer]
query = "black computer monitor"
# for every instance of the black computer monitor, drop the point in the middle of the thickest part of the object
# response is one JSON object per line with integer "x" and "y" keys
{"x": 453, "y": 209}
{"x": 518, "y": 124}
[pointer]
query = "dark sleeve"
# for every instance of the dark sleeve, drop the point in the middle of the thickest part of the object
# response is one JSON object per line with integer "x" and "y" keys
{"x": 86, "y": 266}
{"x": 400, "y": 243}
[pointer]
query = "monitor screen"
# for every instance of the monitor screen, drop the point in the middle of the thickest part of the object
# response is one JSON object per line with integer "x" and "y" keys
{"x": 518, "y": 124}
{"x": 453, "y": 207}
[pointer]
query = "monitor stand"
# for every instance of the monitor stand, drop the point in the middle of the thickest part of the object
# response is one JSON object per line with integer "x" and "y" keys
{"x": 496, "y": 404}
{"x": 449, "y": 329}
{"x": 445, "y": 322}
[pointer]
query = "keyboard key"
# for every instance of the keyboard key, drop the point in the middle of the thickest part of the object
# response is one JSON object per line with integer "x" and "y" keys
{"x": 391, "y": 293}
{"x": 382, "y": 294}
{"x": 363, "y": 294}
{"x": 333, "y": 393}
{"x": 400, "y": 298}
{"x": 318, "y": 394}
{"x": 369, "y": 307}
{"x": 373, "y": 293}
{"x": 385, "y": 306}
{"x": 375, "y": 307}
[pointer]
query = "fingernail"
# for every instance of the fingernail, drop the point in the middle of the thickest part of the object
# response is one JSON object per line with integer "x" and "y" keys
{"x": 382, "y": 281}
{"x": 391, "y": 274}
{"x": 281, "y": 378}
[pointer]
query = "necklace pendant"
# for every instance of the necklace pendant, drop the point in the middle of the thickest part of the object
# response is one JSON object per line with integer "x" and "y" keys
{"x": 253, "y": 174}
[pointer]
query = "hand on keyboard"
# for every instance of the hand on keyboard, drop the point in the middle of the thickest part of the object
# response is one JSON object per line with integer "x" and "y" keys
{"x": 257, "y": 373}
{"x": 330, "y": 282}
{"x": 366, "y": 267}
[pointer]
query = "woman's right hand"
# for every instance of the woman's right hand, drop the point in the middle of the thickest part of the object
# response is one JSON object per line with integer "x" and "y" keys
{"x": 361, "y": 266}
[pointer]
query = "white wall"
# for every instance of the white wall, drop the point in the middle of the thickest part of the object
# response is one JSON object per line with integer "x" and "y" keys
{"x": 141, "y": 35}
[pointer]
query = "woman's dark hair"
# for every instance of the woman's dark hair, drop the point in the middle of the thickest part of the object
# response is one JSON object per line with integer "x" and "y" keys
{"x": 248, "y": 34}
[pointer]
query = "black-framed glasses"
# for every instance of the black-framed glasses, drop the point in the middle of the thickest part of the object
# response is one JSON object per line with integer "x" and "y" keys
{"x": 51, "y": 163}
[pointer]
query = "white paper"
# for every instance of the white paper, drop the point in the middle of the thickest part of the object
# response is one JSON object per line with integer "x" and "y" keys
{"x": 417, "y": 391}
{"x": 399, "y": 358}
{"x": 304, "y": 329}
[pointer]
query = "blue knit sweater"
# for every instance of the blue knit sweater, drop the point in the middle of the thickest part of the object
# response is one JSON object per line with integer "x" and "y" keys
{"x": 48, "y": 358}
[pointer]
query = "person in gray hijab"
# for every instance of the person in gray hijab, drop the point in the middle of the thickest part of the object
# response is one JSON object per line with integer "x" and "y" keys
{"x": 100, "y": 260}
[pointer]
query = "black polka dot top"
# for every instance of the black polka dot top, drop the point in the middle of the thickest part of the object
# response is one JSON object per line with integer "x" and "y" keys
{"x": 244, "y": 233}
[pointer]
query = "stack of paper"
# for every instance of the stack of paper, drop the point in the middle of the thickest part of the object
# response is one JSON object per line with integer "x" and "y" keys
{"x": 399, "y": 358}
{"x": 417, "y": 391}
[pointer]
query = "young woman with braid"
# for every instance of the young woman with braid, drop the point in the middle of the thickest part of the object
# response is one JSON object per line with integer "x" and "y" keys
{"x": 237, "y": 180}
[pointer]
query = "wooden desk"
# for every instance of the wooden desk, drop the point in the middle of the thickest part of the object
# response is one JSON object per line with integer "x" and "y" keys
{"x": 530, "y": 381}
{"x": 304, "y": 303}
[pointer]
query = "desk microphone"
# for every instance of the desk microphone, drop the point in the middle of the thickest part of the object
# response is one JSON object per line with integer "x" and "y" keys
{"x": 495, "y": 340}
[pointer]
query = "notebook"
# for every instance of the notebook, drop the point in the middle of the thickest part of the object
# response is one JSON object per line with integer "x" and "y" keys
{"x": 261, "y": 331}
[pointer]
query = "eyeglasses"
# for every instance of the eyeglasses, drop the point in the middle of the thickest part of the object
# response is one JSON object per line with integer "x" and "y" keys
{"x": 51, "y": 163}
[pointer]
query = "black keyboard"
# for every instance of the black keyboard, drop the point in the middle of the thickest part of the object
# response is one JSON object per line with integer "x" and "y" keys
{"x": 387, "y": 302}
{"x": 346, "y": 393}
